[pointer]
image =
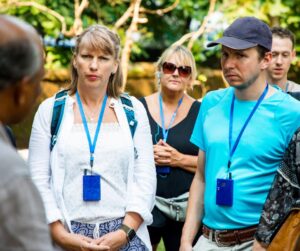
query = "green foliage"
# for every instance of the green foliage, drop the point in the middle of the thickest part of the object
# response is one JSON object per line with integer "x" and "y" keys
{"x": 160, "y": 31}
{"x": 57, "y": 58}
{"x": 161, "y": 246}
{"x": 273, "y": 12}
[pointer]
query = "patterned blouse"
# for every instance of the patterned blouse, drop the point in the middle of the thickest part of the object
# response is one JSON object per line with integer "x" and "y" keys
{"x": 284, "y": 193}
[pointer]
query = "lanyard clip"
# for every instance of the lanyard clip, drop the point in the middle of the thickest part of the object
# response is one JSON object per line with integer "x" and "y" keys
{"x": 92, "y": 160}
{"x": 229, "y": 164}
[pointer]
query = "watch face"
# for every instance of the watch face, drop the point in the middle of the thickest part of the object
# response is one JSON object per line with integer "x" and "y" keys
{"x": 131, "y": 234}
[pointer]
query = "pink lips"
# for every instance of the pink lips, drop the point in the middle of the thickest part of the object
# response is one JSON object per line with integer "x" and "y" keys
{"x": 230, "y": 76}
{"x": 92, "y": 77}
{"x": 278, "y": 69}
{"x": 174, "y": 80}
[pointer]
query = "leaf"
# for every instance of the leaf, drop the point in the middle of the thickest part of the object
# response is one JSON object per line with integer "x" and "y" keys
{"x": 48, "y": 25}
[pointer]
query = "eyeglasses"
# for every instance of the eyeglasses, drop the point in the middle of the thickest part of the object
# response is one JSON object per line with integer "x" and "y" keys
{"x": 183, "y": 71}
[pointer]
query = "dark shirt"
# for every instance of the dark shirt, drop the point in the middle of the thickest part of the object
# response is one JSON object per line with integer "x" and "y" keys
{"x": 295, "y": 95}
{"x": 179, "y": 180}
{"x": 284, "y": 193}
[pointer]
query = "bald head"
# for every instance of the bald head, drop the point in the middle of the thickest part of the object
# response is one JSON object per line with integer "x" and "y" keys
{"x": 20, "y": 51}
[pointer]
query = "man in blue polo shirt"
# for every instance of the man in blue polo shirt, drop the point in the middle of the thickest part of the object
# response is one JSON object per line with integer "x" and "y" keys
{"x": 242, "y": 133}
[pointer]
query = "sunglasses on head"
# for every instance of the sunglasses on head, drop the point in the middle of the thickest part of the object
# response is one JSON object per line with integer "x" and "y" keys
{"x": 183, "y": 71}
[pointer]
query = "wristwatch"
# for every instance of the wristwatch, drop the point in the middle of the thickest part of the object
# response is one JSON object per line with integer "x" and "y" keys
{"x": 130, "y": 233}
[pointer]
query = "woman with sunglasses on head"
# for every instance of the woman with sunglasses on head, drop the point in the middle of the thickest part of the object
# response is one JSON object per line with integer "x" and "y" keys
{"x": 98, "y": 181}
{"x": 172, "y": 114}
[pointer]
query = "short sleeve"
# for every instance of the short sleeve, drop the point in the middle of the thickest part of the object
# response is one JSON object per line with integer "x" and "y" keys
{"x": 197, "y": 134}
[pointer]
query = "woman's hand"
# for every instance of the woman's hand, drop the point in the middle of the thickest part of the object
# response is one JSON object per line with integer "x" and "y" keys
{"x": 184, "y": 246}
{"x": 164, "y": 154}
{"x": 257, "y": 246}
{"x": 114, "y": 240}
{"x": 77, "y": 242}
{"x": 73, "y": 242}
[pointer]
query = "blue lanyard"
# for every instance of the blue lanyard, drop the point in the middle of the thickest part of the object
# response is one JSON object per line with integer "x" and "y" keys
{"x": 100, "y": 118}
{"x": 232, "y": 150}
{"x": 162, "y": 117}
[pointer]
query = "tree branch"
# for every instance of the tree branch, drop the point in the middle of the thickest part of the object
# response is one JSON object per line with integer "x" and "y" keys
{"x": 184, "y": 38}
{"x": 160, "y": 12}
{"x": 202, "y": 28}
{"x": 128, "y": 39}
{"x": 43, "y": 9}
{"x": 77, "y": 25}
{"x": 124, "y": 17}
{"x": 83, "y": 5}
{"x": 195, "y": 34}
{"x": 128, "y": 13}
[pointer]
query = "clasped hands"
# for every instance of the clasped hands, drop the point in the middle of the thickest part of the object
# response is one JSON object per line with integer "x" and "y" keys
{"x": 112, "y": 241}
{"x": 164, "y": 154}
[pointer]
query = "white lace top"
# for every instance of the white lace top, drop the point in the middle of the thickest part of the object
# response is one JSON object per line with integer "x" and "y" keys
{"x": 111, "y": 163}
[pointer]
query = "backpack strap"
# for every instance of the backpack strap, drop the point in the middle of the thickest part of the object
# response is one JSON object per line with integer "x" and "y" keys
{"x": 58, "y": 110}
{"x": 57, "y": 114}
{"x": 129, "y": 111}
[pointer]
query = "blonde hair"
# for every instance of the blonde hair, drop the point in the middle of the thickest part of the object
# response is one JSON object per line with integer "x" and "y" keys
{"x": 100, "y": 38}
{"x": 183, "y": 54}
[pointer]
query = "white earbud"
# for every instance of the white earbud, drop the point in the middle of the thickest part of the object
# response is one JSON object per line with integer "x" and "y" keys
{"x": 158, "y": 75}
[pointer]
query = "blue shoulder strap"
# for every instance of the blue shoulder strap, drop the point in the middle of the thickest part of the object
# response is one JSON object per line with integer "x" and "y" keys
{"x": 128, "y": 108}
{"x": 58, "y": 111}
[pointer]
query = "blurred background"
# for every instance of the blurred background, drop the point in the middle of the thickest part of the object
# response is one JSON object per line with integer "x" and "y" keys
{"x": 146, "y": 28}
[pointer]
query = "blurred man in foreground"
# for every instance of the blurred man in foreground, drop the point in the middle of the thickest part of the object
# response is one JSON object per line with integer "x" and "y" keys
{"x": 23, "y": 223}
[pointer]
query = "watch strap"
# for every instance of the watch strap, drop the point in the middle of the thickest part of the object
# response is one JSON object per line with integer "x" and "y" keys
{"x": 130, "y": 233}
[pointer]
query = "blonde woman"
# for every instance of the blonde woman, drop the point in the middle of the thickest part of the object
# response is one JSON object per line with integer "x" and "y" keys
{"x": 98, "y": 182}
{"x": 172, "y": 114}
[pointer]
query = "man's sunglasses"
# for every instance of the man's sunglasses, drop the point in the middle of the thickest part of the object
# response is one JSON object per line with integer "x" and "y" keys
{"x": 183, "y": 71}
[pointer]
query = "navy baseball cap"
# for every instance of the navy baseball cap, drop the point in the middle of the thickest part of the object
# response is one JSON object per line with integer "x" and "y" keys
{"x": 244, "y": 33}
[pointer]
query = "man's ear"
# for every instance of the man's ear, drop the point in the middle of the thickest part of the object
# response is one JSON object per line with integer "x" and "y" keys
{"x": 21, "y": 91}
{"x": 293, "y": 54}
{"x": 266, "y": 61}
{"x": 22, "y": 98}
